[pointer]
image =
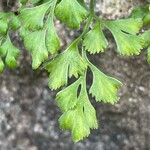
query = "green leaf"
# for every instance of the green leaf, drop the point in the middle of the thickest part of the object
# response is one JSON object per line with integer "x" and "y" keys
{"x": 80, "y": 128}
{"x": 95, "y": 40}
{"x": 67, "y": 98}
{"x": 52, "y": 39}
{"x": 10, "y": 52}
{"x": 71, "y": 13}
{"x": 69, "y": 63}
{"x": 140, "y": 11}
{"x": 75, "y": 121}
{"x": 124, "y": 32}
{"x": 148, "y": 55}
{"x": 35, "y": 1}
{"x": 81, "y": 118}
{"x": 14, "y": 23}
{"x": 8, "y": 20}
{"x": 146, "y": 19}
{"x": 35, "y": 43}
{"x": 82, "y": 3}
{"x": 41, "y": 42}
{"x": 88, "y": 109}
{"x": 3, "y": 23}
{"x": 104, "y": 88}
{"x": 43, "y": 38}
{"x": 33, "y": 18}
{"x": 23, "y": 1}
{"x": 146, "y": 37}
{"x": 1, "y": 65}
{"x": 3, "y": 27}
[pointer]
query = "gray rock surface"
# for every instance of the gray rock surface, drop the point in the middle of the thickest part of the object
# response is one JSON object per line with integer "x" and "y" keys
{"x": 28, "y": 113}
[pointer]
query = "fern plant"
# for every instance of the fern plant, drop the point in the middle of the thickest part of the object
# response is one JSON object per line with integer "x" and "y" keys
{"x": 34, "y": 21}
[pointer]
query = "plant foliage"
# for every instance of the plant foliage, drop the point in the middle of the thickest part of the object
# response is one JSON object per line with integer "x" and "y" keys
{"x": 35, "y": 24}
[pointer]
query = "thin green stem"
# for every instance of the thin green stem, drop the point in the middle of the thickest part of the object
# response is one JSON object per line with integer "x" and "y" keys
{"x": 86, "y": 28}
{"x": 92, "y": 15}
{"x": 89, "y": 20}
{"x": 92, "y": 6}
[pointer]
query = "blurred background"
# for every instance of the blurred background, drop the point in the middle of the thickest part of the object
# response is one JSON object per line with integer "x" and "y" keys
{"x": 29, "y": 115}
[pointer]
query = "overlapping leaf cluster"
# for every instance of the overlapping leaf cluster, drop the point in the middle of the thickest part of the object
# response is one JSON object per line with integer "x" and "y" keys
{"x": 36, "y": 27}
{"x": 144, "y": 14}
{"x": 8, "y": 52}
{"x": 38, "y": 31}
